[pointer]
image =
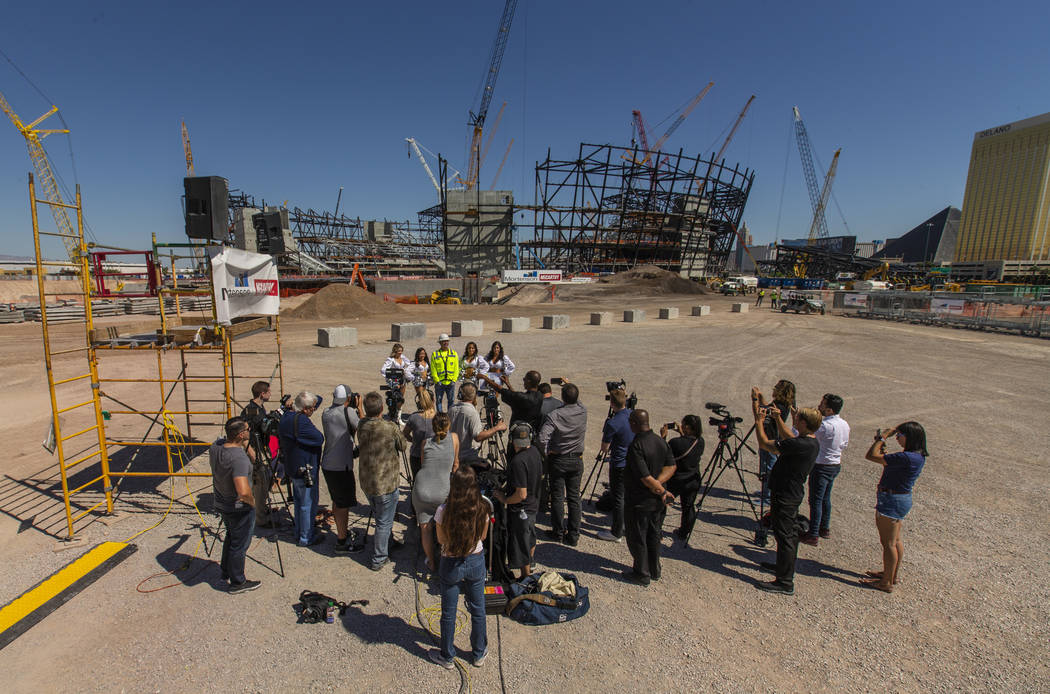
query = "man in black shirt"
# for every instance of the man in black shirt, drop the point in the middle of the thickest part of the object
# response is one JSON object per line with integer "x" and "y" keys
{"x": 231, "y": 469}
{"x": 254, "y": 413}
{"x": 687, "y": 450}
{"x": 522, "y": 499}
{"x": 649, "y": 466}
{"x": 524, "y": 406}
{"x": 796, "y": 456}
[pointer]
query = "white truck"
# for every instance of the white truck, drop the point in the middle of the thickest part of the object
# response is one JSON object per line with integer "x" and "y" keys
{"x": 740, "y": 284}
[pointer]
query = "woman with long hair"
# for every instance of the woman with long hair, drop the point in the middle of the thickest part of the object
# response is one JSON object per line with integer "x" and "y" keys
{"x": 397, "y": 360}
{"x": 430, "y": 486}
{"x": 783, "y": 400}
{"x": 473, "y": 364}
{"x": 893, "y": 498}
{"x": 419, "y": 428}
{"x": 498, "y": 363}
{"x": 462, "y": 524}
{"x": 421, "y": 370}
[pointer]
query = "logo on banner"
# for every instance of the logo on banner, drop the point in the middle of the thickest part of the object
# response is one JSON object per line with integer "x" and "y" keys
{"x": 260, "y": 287}
{"x": 241, "y": 280}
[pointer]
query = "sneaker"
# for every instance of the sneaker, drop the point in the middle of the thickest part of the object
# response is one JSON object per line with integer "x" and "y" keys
{"x": 608, "y": 536}
{"x": 775, "y": 587}
{"x": 435, "y": 656}
{"x": 245, "y": 587}
{"x": 380, "y": 565}
{"x": 317, "y": 539}
{"x": 631, "y": 577}
{"x": 808, "y": 539}
{"x": 342, "y": 546}
{"x": 825, "y": 534}
{"x": 480, "y": 660}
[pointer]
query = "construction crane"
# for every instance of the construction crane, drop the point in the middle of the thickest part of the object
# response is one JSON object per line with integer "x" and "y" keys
{"x": 822, "y": 204}
{"x": 504, "y": 161}
{"x": 186, "y": 149}
{"x": 477, "y": 119}
{"x": 682, "y": 116}
{"x": 418, "y": 149}
{"x": 806, "y": 154}
{"x": 45, "y": 176}
{"x": 732, "y": 131}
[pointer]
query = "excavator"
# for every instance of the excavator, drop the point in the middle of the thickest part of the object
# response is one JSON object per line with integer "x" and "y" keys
{"x": 445, "y": 296}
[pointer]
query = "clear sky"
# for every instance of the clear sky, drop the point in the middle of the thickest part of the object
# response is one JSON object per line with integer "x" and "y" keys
{"x": 290, "y": 101}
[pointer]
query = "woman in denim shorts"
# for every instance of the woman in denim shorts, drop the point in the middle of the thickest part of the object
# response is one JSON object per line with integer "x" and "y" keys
{"x": 893, "y": 500}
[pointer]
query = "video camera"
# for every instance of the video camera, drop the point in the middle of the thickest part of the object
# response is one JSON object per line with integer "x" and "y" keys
{"x": 395, "y": 381}
{"x": 724, "y": 422}
{"x": 492, "y": 413}
{"x": 612, "y": 386}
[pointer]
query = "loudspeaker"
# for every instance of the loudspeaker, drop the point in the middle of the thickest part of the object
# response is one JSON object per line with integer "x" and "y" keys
{"x": 269, "y": 232}
{"x": 207, "y": 198}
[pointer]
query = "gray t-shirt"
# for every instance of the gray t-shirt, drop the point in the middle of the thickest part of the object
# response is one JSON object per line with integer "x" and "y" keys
{"x": 227, "y": 463}
{"x": 421, "y": 429}
{"x": 338, "y": 452}
{"x": 466, "y": 423}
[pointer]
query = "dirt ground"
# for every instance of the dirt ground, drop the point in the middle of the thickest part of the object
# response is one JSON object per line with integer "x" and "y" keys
{"x": 972, "y": 612}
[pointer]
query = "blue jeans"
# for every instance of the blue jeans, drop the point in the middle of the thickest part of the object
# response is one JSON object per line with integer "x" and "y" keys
{"x": 820, "y": 481}
{"x": 240, "y": 525}
{"x": 305, "y": 500}
{"x": 466, "y": 574}
{"x": 385, "y": 507}
{"x": 443, "y": 390}
{"x": 766, "y": 461}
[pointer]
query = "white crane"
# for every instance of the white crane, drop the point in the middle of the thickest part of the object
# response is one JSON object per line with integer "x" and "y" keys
{"x": 415, "y": 147}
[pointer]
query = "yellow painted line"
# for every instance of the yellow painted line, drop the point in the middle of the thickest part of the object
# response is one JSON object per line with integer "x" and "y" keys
{"x": 52, "y": 589}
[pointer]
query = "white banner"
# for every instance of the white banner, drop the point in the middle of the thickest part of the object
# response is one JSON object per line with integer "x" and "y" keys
{"x": 244, "y": 284}
{"x": 855, "y": 300}
{"x": 947, "y": 306}
{"x": 512, "y": 276}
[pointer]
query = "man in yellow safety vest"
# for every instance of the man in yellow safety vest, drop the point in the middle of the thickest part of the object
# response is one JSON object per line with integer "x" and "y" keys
{"x": 444, "y": 371}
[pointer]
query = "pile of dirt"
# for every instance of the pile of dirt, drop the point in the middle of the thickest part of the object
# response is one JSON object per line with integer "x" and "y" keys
{"x": 529, "y": 294}
{"x": 653, "y": 280}
{"x": 341, "y": 301}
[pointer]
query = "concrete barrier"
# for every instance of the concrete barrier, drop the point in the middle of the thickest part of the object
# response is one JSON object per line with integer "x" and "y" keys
{"x": 668, "y": 313}
{"x": 555, "y": 321}
{"x": 407, "y": 332}
{"x": 701, "y": 310}
{"x": 740, "y": 308}
{"x": 337, "y": 337}
{"x": 515, "y": 325}
{"x": 466, "y": 328}
{"x": 603, "y": 318}
{"x": 633, "y": 315}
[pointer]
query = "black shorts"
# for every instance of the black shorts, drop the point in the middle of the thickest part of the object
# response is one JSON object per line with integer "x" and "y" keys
{"x": 342, "y": 487}
{"x": 521, "y": 538}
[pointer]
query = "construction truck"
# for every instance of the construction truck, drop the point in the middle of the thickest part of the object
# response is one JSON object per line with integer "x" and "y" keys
{"x": 444, "y": 296}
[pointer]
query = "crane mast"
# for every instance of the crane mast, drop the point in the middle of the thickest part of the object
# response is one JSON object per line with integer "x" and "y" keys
{"x": 477, "y": 119}
{"x": 806, "y": 155}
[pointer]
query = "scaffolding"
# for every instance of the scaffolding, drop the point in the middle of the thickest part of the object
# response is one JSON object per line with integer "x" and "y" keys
{"x": 612, "y": 208}
{"x": 194, "y": 373}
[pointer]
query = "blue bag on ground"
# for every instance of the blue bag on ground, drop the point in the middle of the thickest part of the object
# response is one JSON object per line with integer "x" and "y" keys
{"x": 530, "y": 606}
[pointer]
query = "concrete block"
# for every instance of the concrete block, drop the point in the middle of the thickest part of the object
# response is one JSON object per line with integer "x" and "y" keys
{"x": 515, "y": 325}
{"x": 701, "y": 310}
{"x": 407, "y": 332}
{"x": 337, "y": 337}
{"x": 555, "y": 321}
{"x": 740, "y": 308}
{"x": 668, "y": 313}
{"x": 633, "y": 315}
{"x": 466, "y": 328}
{"x": 603, "y": 318}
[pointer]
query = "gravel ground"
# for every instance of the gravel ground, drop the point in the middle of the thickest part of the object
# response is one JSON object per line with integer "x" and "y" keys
{"x": 971, "y": 613}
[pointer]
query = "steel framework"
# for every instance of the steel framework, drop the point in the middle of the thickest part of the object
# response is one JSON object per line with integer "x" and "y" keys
{"x": 612, "y": 208}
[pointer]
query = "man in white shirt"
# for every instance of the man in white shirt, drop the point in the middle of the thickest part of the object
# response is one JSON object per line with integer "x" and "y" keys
{"x": 833, "y": 437}
{"x": 466, "y": 424}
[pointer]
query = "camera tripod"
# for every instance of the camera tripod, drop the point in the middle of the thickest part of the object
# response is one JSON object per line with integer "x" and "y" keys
{"x": 596, "y": 475}
{"x": 727, "y": 455}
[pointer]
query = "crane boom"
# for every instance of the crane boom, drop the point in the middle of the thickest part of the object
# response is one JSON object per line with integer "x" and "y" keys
{"x": 430, "y": 174}
{"x": 732, "y": 131}
{"x": 806, "y": 155}
{"x": 818, "y": 214}
{"x": 504, "y": 161}
{"x": 186, "y": 149}
{"x": 477, "y": 119}
{"x": 45, "y": 176}
{"x": 682, "y": 116}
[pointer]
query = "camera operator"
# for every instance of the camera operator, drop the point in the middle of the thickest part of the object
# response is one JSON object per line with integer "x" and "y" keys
{"x": 550, "y": 403}
{"x": 796, "y": 456}
{"x": 379, "y": 449}
{"x": 254, "y": 413}
{"x": 522, "y": 499}
{"x": 444, "y": 371}
{"x": 561, "y": 439}
{"x": 524, "y": 406}
{"x": 301, "y": 444}
{"x": 687, "y": 449}
{"x": 649, "y": 466}
{"x": 466, "y": 424}
{"x": 231, "y": 470}
{"x": 616, "y": 437}
{"x": 340, "y": 422}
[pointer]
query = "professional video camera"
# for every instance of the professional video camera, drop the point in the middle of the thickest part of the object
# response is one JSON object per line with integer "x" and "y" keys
{"x": 395, "y": 381}
{"x": 724, "y": 422}
{"x": 612, "y": 386}
{"x": 492, "y": 413}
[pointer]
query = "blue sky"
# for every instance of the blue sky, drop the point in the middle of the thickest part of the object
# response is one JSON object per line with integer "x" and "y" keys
{"x": 292, "y": 101}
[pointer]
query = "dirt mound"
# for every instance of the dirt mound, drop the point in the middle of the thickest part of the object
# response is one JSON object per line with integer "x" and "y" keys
{"x": 651, "y": 279}
{"x": 341, "y": 301}
{"x": 530, "y": 294}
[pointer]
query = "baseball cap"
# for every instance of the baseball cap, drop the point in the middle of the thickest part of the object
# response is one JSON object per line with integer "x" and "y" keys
{"x": 443, "y": 337}
{"x": 340, "y": 394}
{"x": 520, "y": 435}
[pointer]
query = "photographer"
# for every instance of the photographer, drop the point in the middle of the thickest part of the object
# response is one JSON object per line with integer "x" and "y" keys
{"x": 466, "y": 424}
{"x": 687, "y": 449}
{"x": 649, "y": 466}
{"x": 522, "y": 499}
{"x": 616, "y": 437}
{"x": 301, "y": 445}
{"x": 340, "y": 423}
{"x": 550, "y": 403}
{"x": 231, "y": 469}
{"x": 444, "y": 371}
{"x": 254, "y": 413}
{"x": 379, "y": 448}
{"x": 524, "y": 406}
{"x": 561, "y": 438}
{"x": 784, "y": 402}
{"x": 796, "y": 455}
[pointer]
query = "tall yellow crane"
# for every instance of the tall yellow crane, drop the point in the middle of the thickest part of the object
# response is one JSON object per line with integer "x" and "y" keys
{"x": 187, "y": 150}
{"x": 46, "y": 180}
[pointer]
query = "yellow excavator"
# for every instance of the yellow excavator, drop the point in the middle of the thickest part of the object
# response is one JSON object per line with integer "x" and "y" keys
{"x": 445, "y": 296}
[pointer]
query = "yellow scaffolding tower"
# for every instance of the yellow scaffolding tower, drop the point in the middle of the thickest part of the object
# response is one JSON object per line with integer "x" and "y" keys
{"x": 89, "y": 471}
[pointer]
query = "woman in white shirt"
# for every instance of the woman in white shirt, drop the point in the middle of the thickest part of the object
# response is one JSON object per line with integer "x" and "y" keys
{"x": 499, "y": 364}
{"x": 420, "y": 370}
{"x": 472, "y": 364}
{"x": 397, "y": 360}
